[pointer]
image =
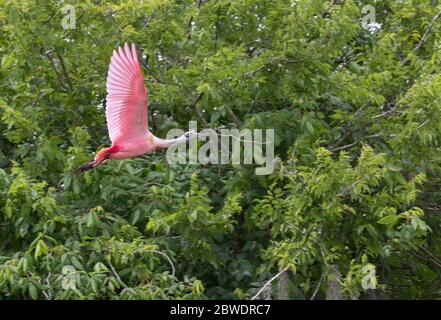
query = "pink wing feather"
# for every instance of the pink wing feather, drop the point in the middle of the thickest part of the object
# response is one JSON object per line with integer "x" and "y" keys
{"x": 126, "y": 108}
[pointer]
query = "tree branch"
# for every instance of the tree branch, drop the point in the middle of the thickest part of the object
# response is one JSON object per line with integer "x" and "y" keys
{"x": 233, "y": 117}
{"x": 377, "y": 135}
{"x": 317, "y": 288}
{"x": 117, "y": 275}
{"x": 66, "y": 75}
{"x": 269, "y": 282}
{"x": 168, "y": 259}
{"x": 425, "y": 35}
{"x": 145, "y": 63}
{"x": 428, "y": 30}
{"x": 61, "y": 84}
{"x": 48, "y": 294}
{"x": 190, "y": 21}
{"x": 111, "y": 13}
{"x": 197, "y": 110}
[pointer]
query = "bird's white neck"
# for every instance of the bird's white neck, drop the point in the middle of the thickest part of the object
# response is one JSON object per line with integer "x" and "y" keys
{"x": 166, "y": 143}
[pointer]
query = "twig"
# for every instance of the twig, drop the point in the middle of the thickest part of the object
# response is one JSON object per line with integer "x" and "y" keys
{"x": 63, "y": 67}
{"x": 389, "y": 111}
{"x": 50, "y": 17}
{"x": 425, "y": 35}
{"x": 111, "y": 13}
{"x": 193, "y": 105}
{"x": 147, "y": 20}
{"x": 216, "y": 29}
{"x": 322, "y": 251}
{"x": 383, "y": 114}
{"x": 430, "y": 254}
{"x": 428, "y": 30}
{"x": 168, "y": 259}
{"x": 427, "y": 259}
{"x": 348, "y": 190}
{"x": 340, "y": 140}
{"x": 317, "y": 288}
{"x": 422, "y": 124}
{"x": 48, "y": 294}
{"x": 150, "y": 70}
{"x": 345, "y": 146}
{"x": 347, "y": 127}
{"x": 145, "y": 63}
{"x": 269, "y": 282}
{"x": 377, "y": 135}
{"x": 233, "y": 117}
{"x": 54, "y": 67}
{"x": 153, "y": 184}
{"x": 190, "y": 21}
{"x": 117, "y": 275}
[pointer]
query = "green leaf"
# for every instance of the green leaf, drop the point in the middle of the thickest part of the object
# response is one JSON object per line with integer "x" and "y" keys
{"x": 33, "y": 292}
{"x": 40, "y": 249}
{"x": 389, "y": 219}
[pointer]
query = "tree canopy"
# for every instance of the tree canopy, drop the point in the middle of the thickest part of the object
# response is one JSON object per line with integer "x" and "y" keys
{"x": 351, "y": 211}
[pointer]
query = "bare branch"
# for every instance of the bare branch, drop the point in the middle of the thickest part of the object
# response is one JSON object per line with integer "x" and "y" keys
{"x": 377, "y": 135}
{"x": 345, "y": 146}
{"x": 423, "y": 124}
{"x": 317, "y": 288}
{"x": 117, "y": 275}
{"x": 428, "y": 30}
{"x": 168, "y": 259}
{"x": 50, "y": 17}
{"x": 392, "y": 110}
{"x": 269, "y": 282}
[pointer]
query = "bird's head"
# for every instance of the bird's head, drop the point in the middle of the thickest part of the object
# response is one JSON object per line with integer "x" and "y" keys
{"x": 101, "y": 157}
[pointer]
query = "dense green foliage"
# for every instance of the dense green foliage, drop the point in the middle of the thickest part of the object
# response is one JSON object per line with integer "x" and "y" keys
{"x": 357, "y": 119}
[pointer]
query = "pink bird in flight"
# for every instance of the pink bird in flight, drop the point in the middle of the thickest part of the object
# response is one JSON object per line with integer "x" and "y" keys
{"x": 126, "y": 112}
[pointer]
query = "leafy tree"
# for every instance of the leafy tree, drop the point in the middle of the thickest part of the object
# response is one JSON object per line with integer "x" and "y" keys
{"x": 353, "y": 202}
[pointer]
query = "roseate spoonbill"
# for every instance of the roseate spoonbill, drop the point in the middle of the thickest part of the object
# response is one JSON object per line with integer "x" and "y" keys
{"x": 126, "y": 112}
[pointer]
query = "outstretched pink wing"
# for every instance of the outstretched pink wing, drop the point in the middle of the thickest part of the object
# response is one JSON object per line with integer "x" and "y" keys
{"x": 126, "y": 107}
